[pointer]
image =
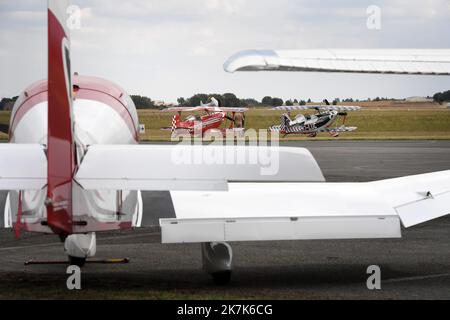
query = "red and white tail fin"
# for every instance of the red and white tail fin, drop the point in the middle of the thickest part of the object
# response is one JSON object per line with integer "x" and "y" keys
{"x": 175, "y": 122}
{"x": 60, "y": 146}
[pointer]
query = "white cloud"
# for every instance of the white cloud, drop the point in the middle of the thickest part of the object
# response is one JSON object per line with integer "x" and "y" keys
{"x": 227, "y": 6}
{"x": 172, "y": 48}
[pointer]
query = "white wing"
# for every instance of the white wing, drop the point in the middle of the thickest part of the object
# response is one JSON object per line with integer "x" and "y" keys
{"x": 321, "y": 107}
{"x": 342, "y": 128}
{"x": 227, "y": 109}
{"x": 290, "y": 211}
{"x": 397, "y": 61}
{"x": 418, "y": 198}
{"x": 182, "y": 167}
{"x": 22, "y": 167}
{"x": 289, "y": 108}
{"x": 338, "y": 108}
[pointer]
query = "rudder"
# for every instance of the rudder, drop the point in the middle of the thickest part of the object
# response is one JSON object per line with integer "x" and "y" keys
{"x": 60, "y": 145}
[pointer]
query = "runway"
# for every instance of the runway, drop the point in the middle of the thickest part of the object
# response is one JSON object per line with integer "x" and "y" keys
{"x": 414, "y": 267}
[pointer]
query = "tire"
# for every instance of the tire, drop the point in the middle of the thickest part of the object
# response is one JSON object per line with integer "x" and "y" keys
{"x": 76, "y": 261}
{"x": 221, "y": 278}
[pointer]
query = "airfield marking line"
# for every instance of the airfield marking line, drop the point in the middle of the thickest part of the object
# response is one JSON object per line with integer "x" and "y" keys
{"x": 57, "y": 243}
{"x": 30, "y": 246}
{"x": 415, "y": 278}
{"x": 130, "y": 236}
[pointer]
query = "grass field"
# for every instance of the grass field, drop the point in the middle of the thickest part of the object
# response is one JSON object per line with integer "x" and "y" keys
{"x": 55, "y": 289}
{"x": 375, "y": 121}
{"x": 372, "y": 123}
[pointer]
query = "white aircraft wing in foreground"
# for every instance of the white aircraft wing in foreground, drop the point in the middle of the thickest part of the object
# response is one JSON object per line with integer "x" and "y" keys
{"x": 395, "y": 61}
{"x": 290, "y": 211}
{"x": 238, "y": 203}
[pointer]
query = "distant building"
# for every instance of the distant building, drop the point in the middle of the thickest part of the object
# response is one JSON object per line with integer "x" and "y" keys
{"x": 419, "y": 99}
{"x": 161, "y": 103}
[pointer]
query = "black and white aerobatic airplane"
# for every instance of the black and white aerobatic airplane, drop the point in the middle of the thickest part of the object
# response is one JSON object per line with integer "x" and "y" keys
{"x": 321, "y": 121}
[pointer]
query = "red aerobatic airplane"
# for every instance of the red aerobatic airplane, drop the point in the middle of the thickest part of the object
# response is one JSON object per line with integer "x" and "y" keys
{"x": 209, "y": 122}
{"x": 73, "y": 167}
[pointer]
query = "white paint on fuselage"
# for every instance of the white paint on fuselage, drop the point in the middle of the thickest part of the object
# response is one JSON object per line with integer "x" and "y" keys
{"x": 94, "y": 123}
{"x": 98, "y": 123}
{"x": 32, "y": 127}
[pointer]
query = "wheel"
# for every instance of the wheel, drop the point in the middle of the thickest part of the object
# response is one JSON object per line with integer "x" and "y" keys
{"x": 76, "y": 261}
{"x": 222, "y": 277}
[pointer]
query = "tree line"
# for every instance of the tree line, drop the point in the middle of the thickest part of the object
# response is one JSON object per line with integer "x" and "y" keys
{"x": 228, "y": 100}
{"x": 7, "y": 103}
{"x": 231, "y": 100}
{"x": 142, "y": 102}
{"x": 441, "y": 97}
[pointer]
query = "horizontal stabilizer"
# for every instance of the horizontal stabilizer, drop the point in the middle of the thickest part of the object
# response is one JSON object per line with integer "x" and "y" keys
{"x": 23, "y": 166}
{"x": 185, "y": 167}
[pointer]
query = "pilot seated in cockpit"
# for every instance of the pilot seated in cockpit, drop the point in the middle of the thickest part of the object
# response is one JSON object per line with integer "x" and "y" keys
{"x": 299, "y": 120}
{"x": 193, "y": 118}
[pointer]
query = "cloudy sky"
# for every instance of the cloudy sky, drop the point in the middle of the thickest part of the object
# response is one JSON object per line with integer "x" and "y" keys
{"x": 171, "y": 48}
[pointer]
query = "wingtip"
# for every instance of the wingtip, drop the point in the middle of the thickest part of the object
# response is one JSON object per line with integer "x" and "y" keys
{"x": 245, "y": 60}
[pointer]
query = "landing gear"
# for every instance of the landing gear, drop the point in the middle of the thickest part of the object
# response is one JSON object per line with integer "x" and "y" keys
{"x": 78, "y": 247}
{"x": 76, "y": 261}
{"x": 217, "y": 260}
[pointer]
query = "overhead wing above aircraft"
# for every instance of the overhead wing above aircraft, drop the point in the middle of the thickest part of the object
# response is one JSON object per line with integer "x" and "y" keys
{"x": 395, "y": 61}
{"x": 186, "y": 109}
{"x": 321, "y": 107}
{"x": 291, "y": 211}
{"x": 211, "y": 106}
{"x": 204, "y": 108}
{"x": 228, "y": 109}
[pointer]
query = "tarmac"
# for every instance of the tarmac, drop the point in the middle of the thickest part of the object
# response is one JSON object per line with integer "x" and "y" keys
{"x": 414, "y": 267}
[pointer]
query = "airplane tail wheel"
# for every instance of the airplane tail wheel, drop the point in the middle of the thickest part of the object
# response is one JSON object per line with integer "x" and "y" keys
{"x": 221, "y": 278}
{"x": 76, "y": 261}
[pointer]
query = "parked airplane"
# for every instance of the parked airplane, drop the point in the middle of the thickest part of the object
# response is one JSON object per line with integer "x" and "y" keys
{"x": 312, "y": 124}
{"x": 210, "y": 121}
{"x": 73, "y": 168}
